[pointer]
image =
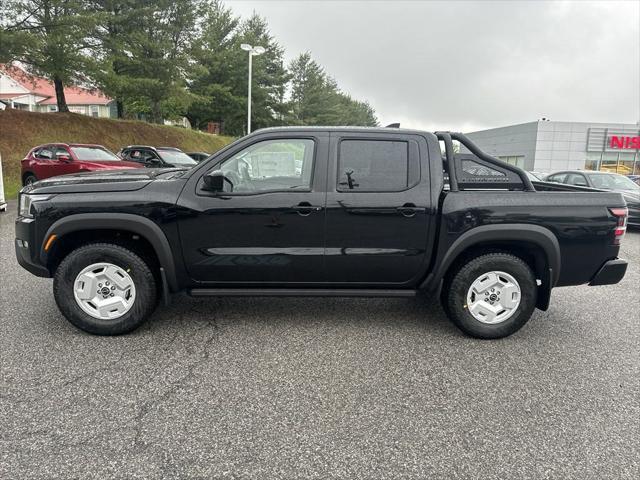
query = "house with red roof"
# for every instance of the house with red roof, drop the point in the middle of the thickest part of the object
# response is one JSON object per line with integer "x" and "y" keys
{"x": 24, "y": 91}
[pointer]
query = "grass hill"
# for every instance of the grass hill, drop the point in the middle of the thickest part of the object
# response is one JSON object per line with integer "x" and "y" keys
{"x": 20, "y": 131}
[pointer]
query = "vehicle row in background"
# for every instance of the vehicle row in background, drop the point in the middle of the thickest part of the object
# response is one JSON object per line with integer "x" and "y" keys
{"x": 613, "y": 182}
{"x": 53, "y": 159}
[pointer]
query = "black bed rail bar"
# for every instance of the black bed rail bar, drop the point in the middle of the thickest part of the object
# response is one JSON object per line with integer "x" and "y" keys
{"x": 448, "y": 137}
{"x": 450, "y": 164}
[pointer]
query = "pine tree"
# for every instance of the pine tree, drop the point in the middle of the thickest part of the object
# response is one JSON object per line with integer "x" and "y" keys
{"x": 317, "y": 100}
{"x": 144, "y": 54}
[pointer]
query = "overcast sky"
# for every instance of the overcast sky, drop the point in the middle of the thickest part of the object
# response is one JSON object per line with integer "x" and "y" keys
{"x": 466, "y": 65}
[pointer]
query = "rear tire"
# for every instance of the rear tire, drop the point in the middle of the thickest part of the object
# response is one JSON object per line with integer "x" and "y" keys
{"x": 476, "y": 287}
{"x": 29, "y": 179}
{"x": 134, "y": 285}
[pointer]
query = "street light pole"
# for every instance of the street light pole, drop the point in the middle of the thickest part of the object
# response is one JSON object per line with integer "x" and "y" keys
{"x": 249, "y": 96}
{"x": 253, "y": 51}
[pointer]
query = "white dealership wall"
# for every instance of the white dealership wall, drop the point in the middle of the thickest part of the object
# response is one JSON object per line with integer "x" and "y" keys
{"x": 548, "y": 146}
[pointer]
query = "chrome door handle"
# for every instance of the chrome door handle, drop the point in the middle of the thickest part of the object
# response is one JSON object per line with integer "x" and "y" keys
{"x": 409, "y": 210}
{"x": 305, "y": 208}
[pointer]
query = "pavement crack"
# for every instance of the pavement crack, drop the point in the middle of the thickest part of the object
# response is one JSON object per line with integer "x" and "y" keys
{"x": 203, "y": 354}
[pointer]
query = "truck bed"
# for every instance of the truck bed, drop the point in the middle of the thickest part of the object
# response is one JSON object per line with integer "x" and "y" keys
{"x": 579, "y": 218}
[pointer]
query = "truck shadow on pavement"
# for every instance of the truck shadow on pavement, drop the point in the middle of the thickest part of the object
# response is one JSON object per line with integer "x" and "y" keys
{"x": 422, "y": 313}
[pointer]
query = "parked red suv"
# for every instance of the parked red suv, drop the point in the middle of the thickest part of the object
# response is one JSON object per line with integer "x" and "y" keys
{"x": 55, "y": 159}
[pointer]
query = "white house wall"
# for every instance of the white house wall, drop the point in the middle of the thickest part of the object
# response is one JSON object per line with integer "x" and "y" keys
{"x": 104, "y": 111}
{"x": 9, "y": 85}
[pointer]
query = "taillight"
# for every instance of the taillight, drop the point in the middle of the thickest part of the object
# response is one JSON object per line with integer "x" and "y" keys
{"x": 621, "y": 226}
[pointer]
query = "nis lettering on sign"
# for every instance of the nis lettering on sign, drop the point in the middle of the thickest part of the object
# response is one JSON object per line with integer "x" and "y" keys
{"x": 631, "y": 143}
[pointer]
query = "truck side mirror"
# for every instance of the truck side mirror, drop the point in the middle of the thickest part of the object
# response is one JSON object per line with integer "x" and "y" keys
{"x": 215, "y": 181}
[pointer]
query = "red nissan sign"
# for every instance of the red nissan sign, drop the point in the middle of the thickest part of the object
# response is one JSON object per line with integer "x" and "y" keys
{"x": 628, "y": 143}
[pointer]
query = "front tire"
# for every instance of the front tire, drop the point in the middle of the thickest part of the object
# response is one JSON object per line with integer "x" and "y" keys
{"x": 105, "y": 289}
{"x": 29, "y": 179}
{"x": 491, "y": 296}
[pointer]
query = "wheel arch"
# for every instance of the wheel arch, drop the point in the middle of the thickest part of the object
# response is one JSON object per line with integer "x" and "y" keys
{"x": 90, "y": 225}
{"x": 25, "y": 174}
{"x": 535, "y": 245}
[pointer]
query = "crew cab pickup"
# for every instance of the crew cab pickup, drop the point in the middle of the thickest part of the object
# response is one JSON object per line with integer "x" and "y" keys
{"x": 320, "y": 212}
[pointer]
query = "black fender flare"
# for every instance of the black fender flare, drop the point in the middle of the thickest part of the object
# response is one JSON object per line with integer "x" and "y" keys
{"x": 136, "y": 224}
{"x": 540, "y": 236}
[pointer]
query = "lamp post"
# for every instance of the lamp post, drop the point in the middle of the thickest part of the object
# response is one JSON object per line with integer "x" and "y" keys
{"x": 253, "y": 51}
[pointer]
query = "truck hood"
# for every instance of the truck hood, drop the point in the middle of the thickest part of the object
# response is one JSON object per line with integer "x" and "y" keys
{"x": 121, "y": 180}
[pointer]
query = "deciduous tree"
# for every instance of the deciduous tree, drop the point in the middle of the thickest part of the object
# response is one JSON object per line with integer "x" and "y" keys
{"x": 50, "y": 38}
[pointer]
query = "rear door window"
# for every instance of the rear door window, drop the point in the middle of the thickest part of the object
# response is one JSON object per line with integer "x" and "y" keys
{"x": 577, "y": 179}
{"x": 376, "y": 166}
{"x": 558, "y": 178}
{"x": 149, "y": 155}
{"x": 61, "y": 152}
{"x": 139, "y": 155}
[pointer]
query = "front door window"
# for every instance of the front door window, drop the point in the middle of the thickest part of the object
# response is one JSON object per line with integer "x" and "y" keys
{"x": 270, "y": 166}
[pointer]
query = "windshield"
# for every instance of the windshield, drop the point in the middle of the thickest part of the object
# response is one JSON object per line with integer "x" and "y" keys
{"x": 176, "y": 157}
{"x": 94, "y": 154}
{"x": 612, "y": 181}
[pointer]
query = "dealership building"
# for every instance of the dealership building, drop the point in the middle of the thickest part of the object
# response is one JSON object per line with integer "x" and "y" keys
{"x": 547, "y": 146}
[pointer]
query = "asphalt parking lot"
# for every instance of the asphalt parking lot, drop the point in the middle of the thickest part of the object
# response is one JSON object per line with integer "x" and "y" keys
{"x": 319, "y": 388}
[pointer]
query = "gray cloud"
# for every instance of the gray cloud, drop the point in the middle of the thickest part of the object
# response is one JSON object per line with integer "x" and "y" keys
{"x": 468, "y": 65}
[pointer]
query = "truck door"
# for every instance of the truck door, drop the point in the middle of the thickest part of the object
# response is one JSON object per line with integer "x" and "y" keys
{"x": 378, "y": 209}
{"x": 270, "y": 228}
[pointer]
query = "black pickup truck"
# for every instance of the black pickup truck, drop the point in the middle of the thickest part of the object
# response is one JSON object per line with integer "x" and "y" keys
{"x": 320, "y": 212}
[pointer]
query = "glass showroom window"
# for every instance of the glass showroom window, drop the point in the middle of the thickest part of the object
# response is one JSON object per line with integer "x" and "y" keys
{"x": 593, "y": 160}
{"x": 609, "y": 162}
{"x": 625, "y": 165}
